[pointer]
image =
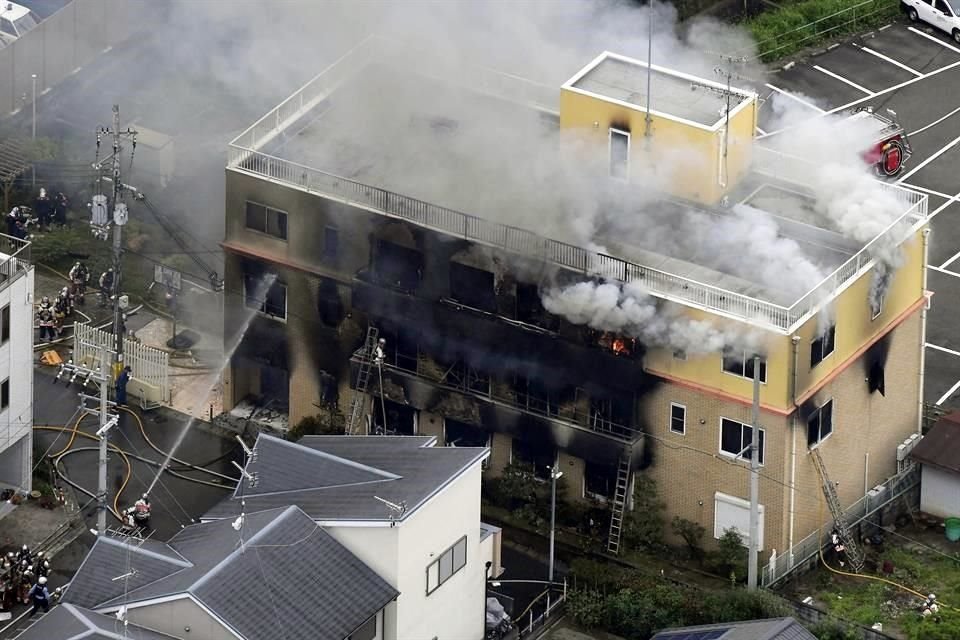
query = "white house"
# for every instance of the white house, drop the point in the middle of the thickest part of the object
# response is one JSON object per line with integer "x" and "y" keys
{"x": 16, "y": 363}
{"x": 939, "y": 456}
{"x": 407, "y": 509}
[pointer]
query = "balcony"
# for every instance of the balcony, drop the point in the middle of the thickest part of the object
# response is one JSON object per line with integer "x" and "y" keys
{"x": 14, "y": 259}
{"x": 573, "y": 408}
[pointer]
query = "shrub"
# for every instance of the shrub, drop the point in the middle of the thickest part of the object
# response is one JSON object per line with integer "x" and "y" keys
{"x": 791, "y": 27}
{"x": 692, "y": 534}
{"x": 833, "y": 631}
{"x": 730, "y": 559}
{"x": 739, "y": 604}
{"x": 329, "y": 423}
{"x": 643, "y": 526}
{"x": 586, "y": 607}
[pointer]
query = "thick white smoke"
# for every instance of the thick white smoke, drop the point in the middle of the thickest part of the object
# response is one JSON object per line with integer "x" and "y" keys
{"x": 628, "y": 310}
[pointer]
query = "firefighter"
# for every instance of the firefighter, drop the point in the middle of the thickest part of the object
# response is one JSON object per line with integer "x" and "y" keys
{"x": 42, "y": 565}
{"x": 838, "y": 548}
{"x": 140, "y": 511}
{"x": 61, "y": 309}
{"x": 60, "y": 205}
{"x": 24, "y": 554}
{"x": 106, "y": 286}
{"x": 7, "y": 590}
{"x": 40, "y": 597}
{"x": 379, "y": 353}
{"x": 79, "y": 277}
{"x": 44, "y": 208}
{"x": 121, "y": 387}
{"x": 27, "y": 577}
{"x": 47, "y": 323}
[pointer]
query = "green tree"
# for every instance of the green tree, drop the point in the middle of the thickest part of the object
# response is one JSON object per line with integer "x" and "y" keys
{"x": 692, "y": 534}
{"x": 586, "y": 607}
{"x": 328, "y": 422}
{"x": 643, "y": 526}
{"x": 730, "y": 558}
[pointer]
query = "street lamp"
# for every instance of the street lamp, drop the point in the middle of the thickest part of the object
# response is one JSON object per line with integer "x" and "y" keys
{"x": 34, "y": 78}
{"x": 554, "y": 476}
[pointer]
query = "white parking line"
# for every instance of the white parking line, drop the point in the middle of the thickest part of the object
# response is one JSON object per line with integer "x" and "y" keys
{"x": 890, "y": 60}
{"x": 949, "y": 393}
{"x": 842, "y": 79}
{"x": 897, "y": 87}
{"x": 934, "y": 123}
{"x": 930, "y": 345}
{"x": 762, "y": 132}
{"x": 939, "y": 153}
{"x": 943, "y": 271}
{"x": 797, "y": 98}
{"x": 941, "y": 208}
{"x": 937, "y": 40}
{"x": 939, "y": 194}
{"x": 950, "y": 260}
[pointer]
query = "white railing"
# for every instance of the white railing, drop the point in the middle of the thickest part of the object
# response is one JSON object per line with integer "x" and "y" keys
{"x": 147, "y": 364}
{"x": 809, "y": 547}
{"x": 245, "y": 154}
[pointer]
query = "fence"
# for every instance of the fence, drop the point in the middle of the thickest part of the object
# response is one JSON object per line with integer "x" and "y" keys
{"x": 57, "y": 47}
{"x": 808, "y": 549}
{"x": 14, "y": 259}
{"x": 149, "y": 366}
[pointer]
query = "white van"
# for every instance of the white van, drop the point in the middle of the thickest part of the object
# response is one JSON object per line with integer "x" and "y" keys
{"x": 15, "y": 20}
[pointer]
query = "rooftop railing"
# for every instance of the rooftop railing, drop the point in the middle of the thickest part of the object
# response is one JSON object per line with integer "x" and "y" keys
{"x": 14, "y": 259}
{"x": 245, "y": 154}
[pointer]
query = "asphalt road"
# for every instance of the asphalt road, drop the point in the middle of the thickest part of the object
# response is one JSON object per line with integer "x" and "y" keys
{"x": 915, "y": 71}
{"x": 176, "y": 501}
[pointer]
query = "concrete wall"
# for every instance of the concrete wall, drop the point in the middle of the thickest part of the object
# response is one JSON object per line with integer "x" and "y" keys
{"x": 940, "y": 492}
{"x": 180, "y": 619}
{"x": 16, "y": 357}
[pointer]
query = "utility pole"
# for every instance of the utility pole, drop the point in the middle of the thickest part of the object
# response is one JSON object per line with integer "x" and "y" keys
{"x": 99, "y": 375}
{"x": 555, "y": 475}
{"x": 33, "y": 77}
{"x": 120, "y": 217}
{"x": 647, "y": 132}
{"x": 729, "y": 75}
{"x": 754, "y": 548}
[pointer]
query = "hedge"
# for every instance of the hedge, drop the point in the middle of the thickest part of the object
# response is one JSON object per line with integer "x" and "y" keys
{"x": 783, "y": 31}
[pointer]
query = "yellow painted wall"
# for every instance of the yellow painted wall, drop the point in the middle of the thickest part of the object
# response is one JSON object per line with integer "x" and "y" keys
{"x": 684, "y": 159}
{"x": 851, "y": 312}
{"x": 706, "y": 370}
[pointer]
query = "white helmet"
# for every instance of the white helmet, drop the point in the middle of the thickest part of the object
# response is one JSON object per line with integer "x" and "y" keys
{"x": 42, "y": 580}
{"x": 932, "y": 597}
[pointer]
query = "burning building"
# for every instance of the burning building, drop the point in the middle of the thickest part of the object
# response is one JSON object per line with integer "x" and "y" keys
{"x": 608, "y": 330}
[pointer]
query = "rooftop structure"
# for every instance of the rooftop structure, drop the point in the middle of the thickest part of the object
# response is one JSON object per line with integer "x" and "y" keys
{"x": 772, "y": 629}
{"x": 315, "y": 142}
{"x": 339, "y": 478}
{"x": 70, "y": 622}
{"x": 673, "y": 94}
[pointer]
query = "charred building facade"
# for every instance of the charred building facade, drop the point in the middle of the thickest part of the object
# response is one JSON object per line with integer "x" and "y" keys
{"x": 342, "y": 220}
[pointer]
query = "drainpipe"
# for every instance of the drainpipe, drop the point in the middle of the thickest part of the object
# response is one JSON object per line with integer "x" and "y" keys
{"x": 923, "y": 330}
{"x": 793, "y": 446}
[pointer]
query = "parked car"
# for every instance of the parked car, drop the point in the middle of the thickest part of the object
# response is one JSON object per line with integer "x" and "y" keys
{"x": 942, "y": 14}
{"x": 15, "y": 20}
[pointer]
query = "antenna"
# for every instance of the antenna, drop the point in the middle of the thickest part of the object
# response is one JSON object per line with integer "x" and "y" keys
{"x": 398, "y": 509}
{"x": 251, "y": 453}
{"x": 251, "y": 477}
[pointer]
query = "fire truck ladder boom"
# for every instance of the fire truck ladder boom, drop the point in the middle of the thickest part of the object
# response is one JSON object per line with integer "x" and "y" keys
{"x": 853, "y": 551}
{"x": 619, "y": 501}
{"x": 364, "y": 356}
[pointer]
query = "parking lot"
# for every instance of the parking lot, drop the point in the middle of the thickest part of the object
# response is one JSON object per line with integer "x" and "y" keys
{"x": 915, "y": 71}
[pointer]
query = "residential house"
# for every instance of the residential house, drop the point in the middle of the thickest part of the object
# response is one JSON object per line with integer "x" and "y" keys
{"x": 267, "y": 574}
{"x": 772, "y": 629}
{"x": 70, "y": 622}
{"x": 408, "y": 509}
{"x": 939, "y": 456}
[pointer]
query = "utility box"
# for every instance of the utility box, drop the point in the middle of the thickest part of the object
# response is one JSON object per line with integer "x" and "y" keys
{"x": 684, "y": 148}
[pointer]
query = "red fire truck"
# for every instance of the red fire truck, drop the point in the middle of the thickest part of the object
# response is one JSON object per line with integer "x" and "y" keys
{"x": 890, "y": 152}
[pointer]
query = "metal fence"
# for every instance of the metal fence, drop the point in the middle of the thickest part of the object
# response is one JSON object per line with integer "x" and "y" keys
{"x": 14, "y": 259}
{"x": 809, "y": 548}
{"x": 148, "y": 365}
{"x": 58, "y": 46}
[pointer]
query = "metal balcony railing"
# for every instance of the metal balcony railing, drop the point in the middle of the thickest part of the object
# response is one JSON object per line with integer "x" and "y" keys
{"x": 572, "y": 412}
{"x": 14, "y": 259}
{"x": 245, "y": 154}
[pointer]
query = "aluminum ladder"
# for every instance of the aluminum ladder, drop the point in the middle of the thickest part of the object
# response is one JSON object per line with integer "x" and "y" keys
{"x": 364, "y": 355}
{"x": 619, "y": 502}
{"x": 853, "y": 550}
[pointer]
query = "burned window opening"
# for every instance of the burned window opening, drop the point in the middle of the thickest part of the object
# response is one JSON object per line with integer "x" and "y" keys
{"x": 473, "y": 287}
{"x": 329, "y": 304}
{"x": 397, "y": 266}
{"x": 270, "y": 301}
{"x": 400, "y": 348}
{"x": 461, "y": 434}
{"x": 741, "y": 364}
{"x": 619, "y": 154}
{"x": 823, "y": 346}
{"x": 532, "y": 458}
{"x": 401, "y": 419}
{"x": 266, "y": 220}
{"x": 820, "y": 424}
{"x": 611, "y": 414}
{"x": 599, "y": 480}
{"x": 875, "y": 380}
{"x": 331, "y": 243}
{"x": 529, "y": 307}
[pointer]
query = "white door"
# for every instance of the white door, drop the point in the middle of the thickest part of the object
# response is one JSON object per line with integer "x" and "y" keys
{"x": 942, "y": 16}
{"x": 925, "y": 10}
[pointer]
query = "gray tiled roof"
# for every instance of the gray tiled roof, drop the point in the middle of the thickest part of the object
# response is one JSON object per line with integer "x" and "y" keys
{"x": 286, "y": 578}
{"x": 111, "y": 557}
{"x": 69, "y": 622}
{"x": 350, "y": 471}
{"x": 772, "y": 629}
